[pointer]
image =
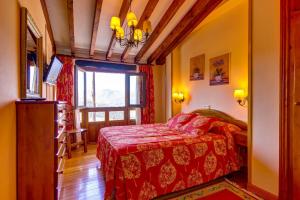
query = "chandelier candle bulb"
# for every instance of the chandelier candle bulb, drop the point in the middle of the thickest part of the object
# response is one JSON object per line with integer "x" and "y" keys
{"x": 120, "y": 33}
{"x": 114, "y": 23}
{"x": 131, "y": 19}
{"x": 138, "y": 35}
{"x": 147, "y": 28}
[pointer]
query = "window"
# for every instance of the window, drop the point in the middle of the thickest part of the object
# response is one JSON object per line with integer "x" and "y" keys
{"x": 109, "y": 89}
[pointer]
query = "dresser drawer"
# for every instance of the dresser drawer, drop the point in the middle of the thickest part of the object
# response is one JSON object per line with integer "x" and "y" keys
{"x": 61, "y": 123}
{"x": 60, "y": 166}
{"x": 61, "y": 152}
{"x": 61, "y": 108}
{"x": 61, "y": 147}
{"x": 61, "y": 115}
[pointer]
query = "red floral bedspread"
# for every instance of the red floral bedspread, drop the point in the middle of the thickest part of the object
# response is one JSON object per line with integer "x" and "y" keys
{"x": 145, "y": 161}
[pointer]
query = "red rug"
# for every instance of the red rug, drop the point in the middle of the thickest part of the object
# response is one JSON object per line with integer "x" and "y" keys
{"x": 223, "y": 194}
{"x": 224, "y": 190}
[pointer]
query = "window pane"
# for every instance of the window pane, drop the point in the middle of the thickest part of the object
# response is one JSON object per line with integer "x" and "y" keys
{"x": 80, "y": 88}
{"x": 89, "y": 89}
{"x": 116, "y": 115}
{"x": 100, "y": 116}
{"x": 110, "y": 89}
{"x": 132, "y": 114}
{"x": 96, "y": 116}
{"x": 136, "y": 87}
{"x": 134, "y": 90}
{"x": 80, "y": 117}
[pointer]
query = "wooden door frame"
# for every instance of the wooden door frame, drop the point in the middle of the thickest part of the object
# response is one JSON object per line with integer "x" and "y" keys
{"x": 285, "y": 153}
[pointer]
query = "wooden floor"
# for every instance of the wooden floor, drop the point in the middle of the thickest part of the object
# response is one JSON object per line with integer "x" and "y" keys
{"x": 82, "y": 178}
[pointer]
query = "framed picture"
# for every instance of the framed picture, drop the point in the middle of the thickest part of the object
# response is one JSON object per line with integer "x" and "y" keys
{"x": 197, "y": 67}
{"x": 219, "y": 70}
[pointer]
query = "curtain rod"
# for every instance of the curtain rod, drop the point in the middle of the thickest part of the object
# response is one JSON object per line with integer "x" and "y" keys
{"x": 102, "y": 60}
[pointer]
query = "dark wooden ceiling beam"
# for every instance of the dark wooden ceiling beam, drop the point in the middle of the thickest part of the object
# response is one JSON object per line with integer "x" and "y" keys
{"x": 71, "y": 25}
{"x": 122, "y": 14}
{"x": 209, "y": 8}
{"x": 97, "y": 14}
{"x": 81, "y": 53}
{"x": 48, "y": 24}
{"x": 169, "y": 14}
{"x": 189, "y": 22}
{"x": 146, "y": 15}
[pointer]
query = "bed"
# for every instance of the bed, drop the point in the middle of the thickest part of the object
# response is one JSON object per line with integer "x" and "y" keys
{"x": 146, "y": 161}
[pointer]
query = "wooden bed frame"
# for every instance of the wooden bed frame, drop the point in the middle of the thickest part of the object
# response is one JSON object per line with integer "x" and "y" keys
{"x": 241, "y": 138}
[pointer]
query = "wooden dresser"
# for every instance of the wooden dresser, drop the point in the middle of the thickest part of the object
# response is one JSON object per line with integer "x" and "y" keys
{"x": 40, "y": 148}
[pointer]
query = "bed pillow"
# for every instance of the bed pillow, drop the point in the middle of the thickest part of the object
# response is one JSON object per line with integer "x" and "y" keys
{"x": 221, "y": 127}
{"x": 198, "y": 125}
{"x": 179, "y": 120}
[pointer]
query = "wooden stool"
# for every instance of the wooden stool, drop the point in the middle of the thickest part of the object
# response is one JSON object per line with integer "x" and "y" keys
{"x": 69, "y": 144}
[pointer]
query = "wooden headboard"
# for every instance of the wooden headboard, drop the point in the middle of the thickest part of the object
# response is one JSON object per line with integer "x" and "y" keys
{"x": 222, "y": 115}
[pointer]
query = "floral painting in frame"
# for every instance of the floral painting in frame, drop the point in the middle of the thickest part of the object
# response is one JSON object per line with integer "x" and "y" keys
{"x": 197, "y": 67}
{"x": 219, "y": 70}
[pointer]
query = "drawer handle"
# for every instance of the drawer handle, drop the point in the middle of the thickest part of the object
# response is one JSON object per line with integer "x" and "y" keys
{"x": 63, "y": 155}
{"x": 297, "y": 103}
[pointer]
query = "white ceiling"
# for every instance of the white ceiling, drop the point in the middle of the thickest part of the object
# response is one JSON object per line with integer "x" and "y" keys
{"x": 58, "y": 15}
{"x": 83, "y": 23}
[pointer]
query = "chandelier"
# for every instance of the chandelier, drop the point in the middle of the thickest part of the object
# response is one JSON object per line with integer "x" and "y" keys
{"x": 131, "y": 35}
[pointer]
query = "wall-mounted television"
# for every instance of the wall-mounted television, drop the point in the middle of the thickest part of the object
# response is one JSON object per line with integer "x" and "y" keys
{"x": 53, "y": 70}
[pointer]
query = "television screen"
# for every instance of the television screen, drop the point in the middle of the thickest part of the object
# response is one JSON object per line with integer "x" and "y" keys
{"x": 53, "y": 71}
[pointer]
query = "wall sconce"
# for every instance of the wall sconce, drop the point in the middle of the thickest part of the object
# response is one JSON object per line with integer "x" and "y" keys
{"x": 240, "y": 96}
{"x": 178, "y": 97}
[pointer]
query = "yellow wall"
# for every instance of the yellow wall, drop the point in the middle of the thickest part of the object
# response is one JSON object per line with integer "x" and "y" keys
{"x": 224, "y": 31}
{"x": 266, "y": 61}
{"x": 159, "y": 74}
{"x": 176, "y": 79}
{"x": 9, "y": 92}
{"x": 9, "y": 87}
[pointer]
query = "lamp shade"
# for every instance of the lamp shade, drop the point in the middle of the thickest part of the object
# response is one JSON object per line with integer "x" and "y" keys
{"x": 131, "y": 19}
{"x": 114, "y": 23}
{"x": 178, "y": 97}
{"x": 147, "y": 28}
{"x": 175, "y": 95}
{"x": 239, "y": 94}
{"x": 138, "y": 35}
{"x": 120, "y": 33}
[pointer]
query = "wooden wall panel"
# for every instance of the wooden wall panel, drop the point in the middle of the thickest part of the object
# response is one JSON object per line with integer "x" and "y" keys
{"x": 289, "y": 176}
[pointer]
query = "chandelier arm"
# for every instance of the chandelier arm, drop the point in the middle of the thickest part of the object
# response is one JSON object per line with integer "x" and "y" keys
{"x": 132, "y": 36}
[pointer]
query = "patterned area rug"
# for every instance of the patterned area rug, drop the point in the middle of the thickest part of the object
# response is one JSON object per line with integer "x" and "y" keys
{"x": 224, "y": 190}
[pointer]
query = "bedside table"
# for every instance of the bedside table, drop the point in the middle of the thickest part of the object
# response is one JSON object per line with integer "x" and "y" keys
{"x": 241, "y": 140}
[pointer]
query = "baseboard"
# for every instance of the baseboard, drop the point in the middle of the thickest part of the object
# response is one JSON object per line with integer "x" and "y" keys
{"x": 261, "y": 193}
